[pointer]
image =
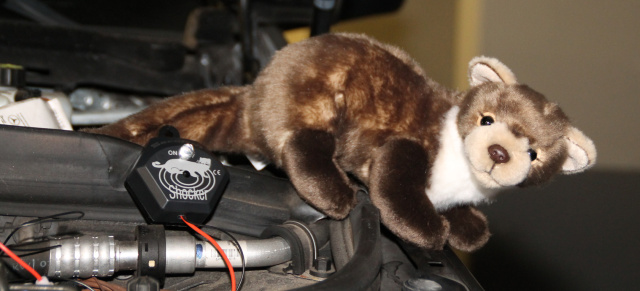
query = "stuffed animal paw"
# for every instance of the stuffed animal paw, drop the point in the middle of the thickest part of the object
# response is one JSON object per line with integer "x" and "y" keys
{"x": 469, "y": 228}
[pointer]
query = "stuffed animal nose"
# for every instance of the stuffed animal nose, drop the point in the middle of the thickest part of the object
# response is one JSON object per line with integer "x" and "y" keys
{"x": 498, "y": 154}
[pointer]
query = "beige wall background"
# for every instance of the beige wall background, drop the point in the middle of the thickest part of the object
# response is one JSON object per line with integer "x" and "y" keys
{"x": 582, "y": 54}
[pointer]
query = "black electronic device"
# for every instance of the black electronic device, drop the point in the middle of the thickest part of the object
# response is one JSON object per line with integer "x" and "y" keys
{"x": 175, "y": 177}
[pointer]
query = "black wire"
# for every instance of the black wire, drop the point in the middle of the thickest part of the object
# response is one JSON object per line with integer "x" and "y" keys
{"x": 237, "y": 245}
{"x": 44, "y": 219}
{"x": 33, "y": 251}
{"x": 29, "y": 252}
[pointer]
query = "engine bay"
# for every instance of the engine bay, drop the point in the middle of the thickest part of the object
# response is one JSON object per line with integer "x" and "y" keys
{"x": 67, "y": 202}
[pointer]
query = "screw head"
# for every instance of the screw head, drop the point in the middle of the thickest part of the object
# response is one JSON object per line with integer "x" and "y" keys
{"x": 186, "y": 151}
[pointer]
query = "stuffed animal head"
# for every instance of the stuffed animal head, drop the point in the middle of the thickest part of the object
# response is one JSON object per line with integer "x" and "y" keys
{"x": 513, "y": 135}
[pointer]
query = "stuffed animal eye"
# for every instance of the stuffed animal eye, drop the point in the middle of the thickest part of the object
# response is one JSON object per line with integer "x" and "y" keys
{"x": 486, "y": 120}
{"x": 532, "y": 154}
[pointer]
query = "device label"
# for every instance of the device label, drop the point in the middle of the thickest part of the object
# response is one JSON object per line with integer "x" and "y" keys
{"x": 187, "y": 180}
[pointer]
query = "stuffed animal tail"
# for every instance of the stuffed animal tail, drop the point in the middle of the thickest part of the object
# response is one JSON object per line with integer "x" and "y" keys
{"x": 212, "y": 117}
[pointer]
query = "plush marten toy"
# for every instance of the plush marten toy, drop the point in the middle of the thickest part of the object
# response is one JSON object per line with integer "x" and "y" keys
{"x": 344, "y": 105}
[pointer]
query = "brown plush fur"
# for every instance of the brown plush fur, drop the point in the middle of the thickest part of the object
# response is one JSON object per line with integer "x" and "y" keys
{"x": 344, "y": 104}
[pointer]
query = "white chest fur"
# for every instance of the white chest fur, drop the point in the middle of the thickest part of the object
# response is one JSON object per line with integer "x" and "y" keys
{"x": 452, "y": 182}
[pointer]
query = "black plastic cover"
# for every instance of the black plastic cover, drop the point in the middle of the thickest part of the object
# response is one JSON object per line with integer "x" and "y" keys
{"x": 175, "y": 177}
{"x": 152, "y": 260}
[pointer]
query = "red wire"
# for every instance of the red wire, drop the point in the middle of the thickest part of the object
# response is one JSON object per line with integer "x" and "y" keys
{"x": 20, "y": 261}
{"x": 232, "y": 273}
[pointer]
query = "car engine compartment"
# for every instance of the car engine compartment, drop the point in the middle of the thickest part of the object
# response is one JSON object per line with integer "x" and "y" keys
{"x": 64, "y": 204}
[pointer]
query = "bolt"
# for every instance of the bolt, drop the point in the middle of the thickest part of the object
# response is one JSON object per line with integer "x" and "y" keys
{"x": 322, "y": 264}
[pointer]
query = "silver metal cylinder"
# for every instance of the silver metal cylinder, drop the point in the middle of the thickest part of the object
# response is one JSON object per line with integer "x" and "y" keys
{"x": 257, "y": 253}
{"x": 180, "y": 255}
{"x": 83, "y": 257}
{"x": 126, "y": 255}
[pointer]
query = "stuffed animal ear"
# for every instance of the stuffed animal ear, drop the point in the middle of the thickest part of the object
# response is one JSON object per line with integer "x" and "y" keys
{"x": 582, "y": 152}
{"x": 485, "y": 69}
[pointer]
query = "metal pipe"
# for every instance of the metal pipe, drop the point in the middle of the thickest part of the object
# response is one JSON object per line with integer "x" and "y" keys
{"x": 180, "y": 254}
{"x": 126, "y": 255}
{"x": 257, "y": 253}
{"x": 103, "y": 256}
